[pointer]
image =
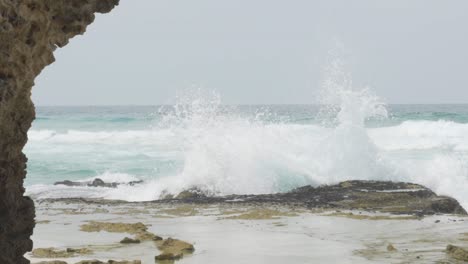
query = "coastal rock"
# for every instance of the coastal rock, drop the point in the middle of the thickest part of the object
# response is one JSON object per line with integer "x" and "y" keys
{"x": 30, "y": 31}
{"x": 173, "y": 249}
{"x": 131, "y": 228}
{"x": 109, "y": 262}
{"x": 100, "y": 183}
{"x": 124, "y": 262}
{"x": 51, "y": 262}
{"x": 260, "y": 214}
{"x": 382, "y": 196}
{"x": 167, "y": 257}
{"x": 147, "y": 236}
{"x": 193, "y": 193}
{"x": 391, "y": 248}
{"x": 457, "y": 252}
{"x": 138, "y": 229}
{"x": 96, "y": 183}
{"x": 70, "y": 183}
{"x": 128, "y": 240}
{"x": 57, "y": 253}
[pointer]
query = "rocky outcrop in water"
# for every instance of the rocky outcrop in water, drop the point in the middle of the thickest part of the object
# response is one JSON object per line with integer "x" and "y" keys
{"x": 138, "y": 229}
{"x": 173, "y": 249}
{"x": 382, "y": 196}
{"x": 58, "y": 253}
{"x": 96, "y": 183}
{"x": 30, "y": 30}
{"x": 457, "y": 253}
{"x": 108, "y": 262}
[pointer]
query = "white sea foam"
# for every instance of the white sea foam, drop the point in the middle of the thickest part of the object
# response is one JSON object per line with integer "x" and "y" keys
{"x": 222, "y": 152}
{"x": 409, "y": 135}
{"x": 414, "y": 135}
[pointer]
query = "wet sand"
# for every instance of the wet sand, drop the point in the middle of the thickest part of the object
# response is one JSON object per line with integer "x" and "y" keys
{"x": 248, "y": 233}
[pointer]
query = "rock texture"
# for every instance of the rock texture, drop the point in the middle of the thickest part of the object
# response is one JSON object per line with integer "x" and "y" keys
{"x": 30, "y": 30}
{"x": 382, "y": 196}
{"x": 58, "y": 253}
{"x": 97, "y": 182}
{"x": 139, "y": 229}
{"x": 173, "y": 249}
{"x": 457, "y": 253}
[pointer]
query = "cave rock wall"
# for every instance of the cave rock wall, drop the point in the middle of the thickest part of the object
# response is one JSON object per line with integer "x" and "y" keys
{"x": 30, "y": 31}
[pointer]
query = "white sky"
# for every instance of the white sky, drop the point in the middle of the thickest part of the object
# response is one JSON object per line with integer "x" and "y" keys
{"x": 262, "y": 51}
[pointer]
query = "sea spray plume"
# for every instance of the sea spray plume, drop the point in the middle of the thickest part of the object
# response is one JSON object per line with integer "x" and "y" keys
{"x": 224, "y": 152}
{"x": 221, "y": 151}
{"x": 349, "y": 153}
{"x": 339, "y": 95}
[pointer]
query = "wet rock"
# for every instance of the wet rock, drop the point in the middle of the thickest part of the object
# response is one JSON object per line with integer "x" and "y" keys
{"x": 124, "y": 262}
{"x": 128, "y": 240}
{"x": 383, "y": 196}
{"x": 457, "y": 252}
{"x": 96, "y": 183}
{"x": 51, "y": 262}
{"x": 100, "y": 183}
{"x": 183, "y": 210}
{"x": 167, "y": 257}
{"x": 57, "y": 253}
{"x": 374, "y": 217}
{"x": 42, "y": 222}
{"x": 131, "y": 228}
{"x": 165, "y": 195}
{"x": 109, "y": 262}
{"x": 133, "y": 183}
{"x": 147, "y": 236}
{"x": 175, "y": 247}
{"x": 391, "y": 248}
{"x": 138, "y": 229}
{"x": 70, "y": 183}
{"x": 446, "y": 205}
{"x": 193, "y": 193}
{"x": 261, "y": 214}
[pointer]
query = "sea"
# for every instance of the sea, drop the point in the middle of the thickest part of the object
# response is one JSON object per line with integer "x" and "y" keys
{"x": 199, "y": 142}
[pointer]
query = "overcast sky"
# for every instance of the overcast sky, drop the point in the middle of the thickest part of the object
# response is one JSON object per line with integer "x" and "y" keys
{"x": 262, "y": 51}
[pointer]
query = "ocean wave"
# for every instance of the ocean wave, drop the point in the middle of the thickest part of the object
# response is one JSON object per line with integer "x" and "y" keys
{"x": 226, "y": 153}
{"x": 418, "y": 135}
{"x": 408, "y": 135}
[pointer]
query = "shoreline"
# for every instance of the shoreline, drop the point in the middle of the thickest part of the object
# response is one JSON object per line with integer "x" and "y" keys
{"x": 240, "y": 233}
{"x": 372, "y": 196}
{"x": 257, "y": 228}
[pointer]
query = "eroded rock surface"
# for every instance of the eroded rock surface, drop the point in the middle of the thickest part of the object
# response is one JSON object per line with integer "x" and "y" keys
{"x": 97, "y": 182}
{"x": 383, "y": 196}
{"x": 30, "y": 30}
{"x": 457, "y": 253}
{"x": 58, "y": 253}
{"x": 109, "y": 262}
{"x": 51, "y": 262}
{"x": 128, "y": 240}
{"x": 173, "y": 249}
{"x": 140, "y": 230}
{"x": 93, "y": 262}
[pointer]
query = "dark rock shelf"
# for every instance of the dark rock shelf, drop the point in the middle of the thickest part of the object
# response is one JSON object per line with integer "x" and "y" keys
{"x": 381, "y": 196}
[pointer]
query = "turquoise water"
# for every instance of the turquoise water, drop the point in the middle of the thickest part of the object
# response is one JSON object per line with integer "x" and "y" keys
{"x": 243, "y": 149}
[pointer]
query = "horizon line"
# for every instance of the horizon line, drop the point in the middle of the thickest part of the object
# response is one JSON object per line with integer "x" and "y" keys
{"x": 227, "y": 104}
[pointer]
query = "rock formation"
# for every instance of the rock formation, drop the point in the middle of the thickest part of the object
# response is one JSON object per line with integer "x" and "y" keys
{"x": 457, "y": 253}
{"x": 30, "y": 30}
{"x": 97, "y": 182}
{"x": 382, "y": 196}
